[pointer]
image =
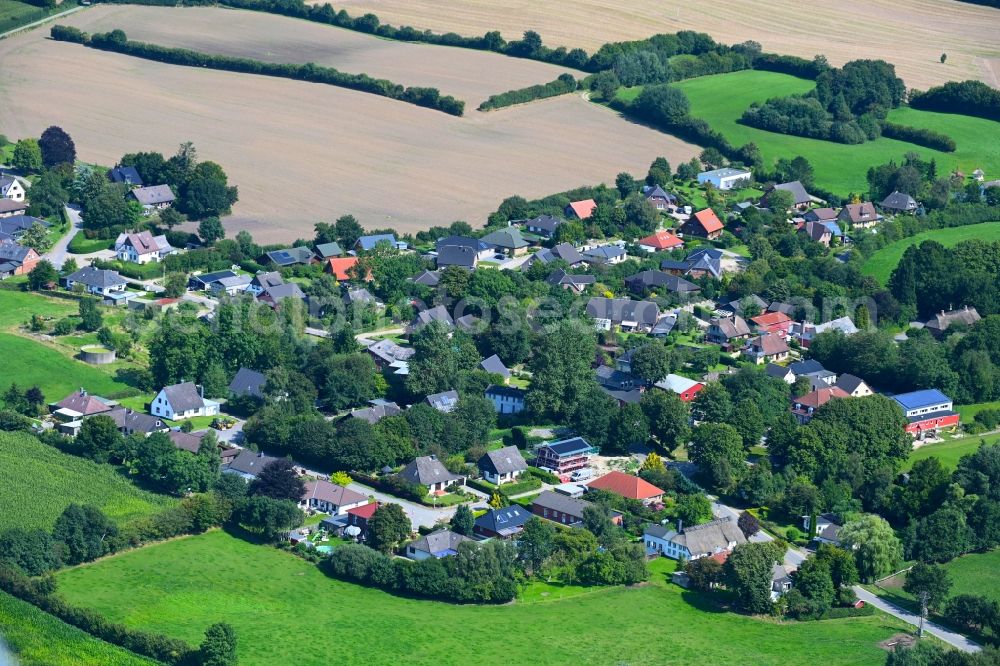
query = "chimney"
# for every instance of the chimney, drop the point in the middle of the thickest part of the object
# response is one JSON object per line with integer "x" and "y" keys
{"x": 680, "y": 525}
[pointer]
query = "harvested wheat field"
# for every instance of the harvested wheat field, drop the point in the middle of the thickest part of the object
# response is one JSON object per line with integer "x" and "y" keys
{"x": 303, "y": 152}
{"x": 912, "y": 34}
{"x": 468, "y": 75}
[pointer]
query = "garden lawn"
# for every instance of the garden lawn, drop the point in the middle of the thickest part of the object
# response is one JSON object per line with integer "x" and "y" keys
{"x": 968, "y": 412}
{"x": 722, "y": 98}
{"x": 38, "y": 482}
{"x": 950, "y": 452}
{"x": 83, "y": 245}
{"x": 881, "y": 264}
{"x": 178, "y": 588}
{"x": 39, "y": 639}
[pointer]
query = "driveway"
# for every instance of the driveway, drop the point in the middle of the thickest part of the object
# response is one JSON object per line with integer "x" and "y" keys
{"x": 793, "y": 556}
{"x": 950, "y": 637}
{"x": 417, "y": 513}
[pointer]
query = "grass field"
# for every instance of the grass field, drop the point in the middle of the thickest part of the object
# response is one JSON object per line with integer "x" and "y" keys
{"x": 968, "y": 412}
{"x": 908, "y": 33}
{"x": 881, "y": 264}
{"x": 39, "y": 481}
{"x": 721, "y": 100}
{"x": 83, "y": 245}
{"x": 179, "y": 588}
{"x": 344, "y": 151}
{"x": 14, "y": 14}
{"x": 950, "y": 452}
{"x": 38, "y": 639}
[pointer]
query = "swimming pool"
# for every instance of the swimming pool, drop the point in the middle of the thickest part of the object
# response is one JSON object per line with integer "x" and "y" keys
{"x": 325, "y": 550}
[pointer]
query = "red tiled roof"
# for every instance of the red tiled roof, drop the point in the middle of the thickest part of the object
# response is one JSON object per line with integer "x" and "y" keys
{"x": 366, "y": 511}
{"x": 583, "y": 209}
{"x": 821, "y": 396}
{"x": 626, "y": 485}
{"x": 708, "y": 220}
{"x": 720, "y": 557}
{"x": 771, "y": 318}
{"x": 661, "y": 240}
{"x": 338, "y": 266}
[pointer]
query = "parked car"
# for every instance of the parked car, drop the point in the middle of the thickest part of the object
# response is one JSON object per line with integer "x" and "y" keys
{"x": 581, "y": 474}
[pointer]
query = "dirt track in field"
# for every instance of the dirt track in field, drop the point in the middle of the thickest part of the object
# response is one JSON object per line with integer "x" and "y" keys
{"x": 302, "y": 153}
{"x": 912, "y": 34}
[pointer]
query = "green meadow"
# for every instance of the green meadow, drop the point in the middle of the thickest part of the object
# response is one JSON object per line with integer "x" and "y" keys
{"x": 881, "y": 264}
{"x": 950, "y": 452}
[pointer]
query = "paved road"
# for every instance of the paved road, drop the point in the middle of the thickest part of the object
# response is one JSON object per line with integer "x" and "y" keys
{"x": 29, "y": 26}
{"x": 793, "y": 556}
{"x": 955, "y": 640}
{"x": 417, "y": 513}
{"x": 58, "y": 254}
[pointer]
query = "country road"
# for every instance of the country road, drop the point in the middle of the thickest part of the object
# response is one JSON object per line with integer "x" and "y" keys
{"x": 35, "y": 24}
{"x": 950, "y": 637}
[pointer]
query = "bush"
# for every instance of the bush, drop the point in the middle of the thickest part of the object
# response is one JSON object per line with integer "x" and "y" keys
{"x": 546, "y": 477}
{"x": 921, "y": 137}
{"x": 989, "y": 418}
{"x": 564, "y": 84}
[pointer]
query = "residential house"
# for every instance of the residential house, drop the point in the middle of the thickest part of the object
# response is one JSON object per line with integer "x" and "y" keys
{"x": 379, "y": 410}
{"x": 17, "y": 259}
{"x": 204, "y": 281}
{"x": 11, "y": 208}
{"x": 780, "y": 306}
{"x": 706, "y": 540}
{"x": 300, "y": 255}
{"x": 806, "y": 331}
{"x": 273, "y": 296}
{"x": 442, "y": 543}
{"x": 495, "y": 366}
{"x": 726, "y": 179}
{"x": 800, "y": 198}
{"x": 740, "y": 306}
{"x": 155, "y": 197}
{"x": 230, "y": 285}
{"x": 899, "y": 202}
{"x": 809, "y": 367}
{"x": 820, "y": 215}
{"x": 248, "y": 382}
{"x": 685, "y": 389}
{"x": 781, "y": 580}
{"x": 340, "y": 267}
{"x": 940, "y": 322}
{"x": 331, "y": 498}
{"x": 625, "y": 313}
{"x": 359, "y": 296}
{"x": 706, "y": 262}
{"x": 126, "y": 175}
{"x": 773, "y": 322}
{"x": 142, "y": 247}
{"x": 438, "y": 313}
{"x": 264, "y": 281}
{"x": 444, "y": 402}
{"x": 562, "y": 251}
{"x": 80, "y": 404}
{"x": 507, "y": 241}
{"x": 703, "y": 224}
{"x": 577, "y": 283}
{"x": 768, "y": 348}
{"x": 11, "y": 188}
{"x": 641, "y": 283}
{"x": 501, "y": 466}
{"x": 565, "y": 455}
{"x": 131, "y": 422}
{"x": 506, "y": 399}
{"x": 664, "y": 325}
{"x": 427, "y": 278}
{"x": 660, "y": 198}
{"x": 620, "y": 385}
{"x": 544, "y": 226}
{"x": 728, "y": 332}
{"x": 191, "y": 442}
{"x": 804, "y": 407}
{"x": 386, "y": 352}
{"x": 461, "y": 251}
{"x": 628, "y": 486}
{"x": 427, "y": 471}
{"x": 661, "y": 241}
{"x": 853, "y": 386}
{"x": 860, "y": 215}
{"x": 563, "y": 509}
{"x": 505, "y": 523}
{"x": 97, "y": 281}
{"x": 779, "y": 372}
{"x": 248, "y": 464}
{"x": 818, "y": 232}
{"x": 324, "y": 251}
{"x": 359, "y": 517}
{"x": 14, "y": 226}
{"x": 368, "y": 243}
{"x": 580, "y": 210}
{"x": 606, "y": 254}
{"x": 827, "y": 528}
{"x": 182, "y": 401}
{"x": 927, "y": 412}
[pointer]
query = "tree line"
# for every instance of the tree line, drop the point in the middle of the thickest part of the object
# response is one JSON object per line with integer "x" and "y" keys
{"x": 117, "y": 41}
{"x": 562, "y": 85}
{"x": 972, "y": 98}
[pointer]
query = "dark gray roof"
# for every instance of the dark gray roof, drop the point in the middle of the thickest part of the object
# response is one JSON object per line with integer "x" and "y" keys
{"x": 495, "y": 365}
{"x": 806, "y": 367}
{"x": 15, "y": 225}
{"x": 125, "y": 174}
{"x": 561, "y": 277}
{"x": 657, "y": 192}
{"x": 96, "y": 277}
{"x": 797, "y": 190}
{"x": 506, "y": 239}
{"x": 506, "y": 521}
{"x": 282, "y": 291}
{"x": 359, "y": 295}
{"x": 899, "y": 201}
{"x": 545, "y": 223}
{"x": 250, "y": 462}
{"x": 649, "y": 279}
{"x": 849, "y": 383}
{"x": 437, "y": 313}
{"x": 377, "y": 411}
{"x": 153, "y": 195}
{"x": 267, "y": 280}
{"x": 506, "y": 391}
{"x": 445, "y": 401}
{"x": 390, "y": 352}
{"x": 183, "y": 397}
{"x": 189, "y": 441}
{"x": 557, "y": 502}
{"x": 291, "y": 256}
{"x": 133, "y": 421}
{"x": 456, "y": 255}
{"x": 248, "y": 382}
{"x": 571, "y": 446}
{"x": 427, "y": 278}
{"x": 474, "y": 244}
{"x": 14, "y": 253}
{"x": 426, "y": 470}
{"x": 206, "y": 279}
{"x": 563, "y": 251}
{"x": 776, "y": 371}
{"x": 440, "y": 543}
{"x": 331, "y": 249}
{"x": 604, "y": 253}
{"x": 503, "y": 461}
{"x": 623, "y": 309}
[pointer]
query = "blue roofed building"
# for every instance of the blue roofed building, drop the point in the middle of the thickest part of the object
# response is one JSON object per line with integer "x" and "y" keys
{"x": 927, "y": 412}
{"x": 505, "y": 523}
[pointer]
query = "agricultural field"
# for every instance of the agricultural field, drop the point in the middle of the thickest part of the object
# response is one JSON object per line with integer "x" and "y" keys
{"x": 950, "y": 452}
{"x": 179, "y": 588}
{"x": 909, "y": 33}
{"x": 722, "y": 98}
{"x": 302, "y": 153}
{"x": 271, "y": 38}
{"x": 39, "y": 639}
{"x": 881, "y": 264}
{"x": 39, "y": 481}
